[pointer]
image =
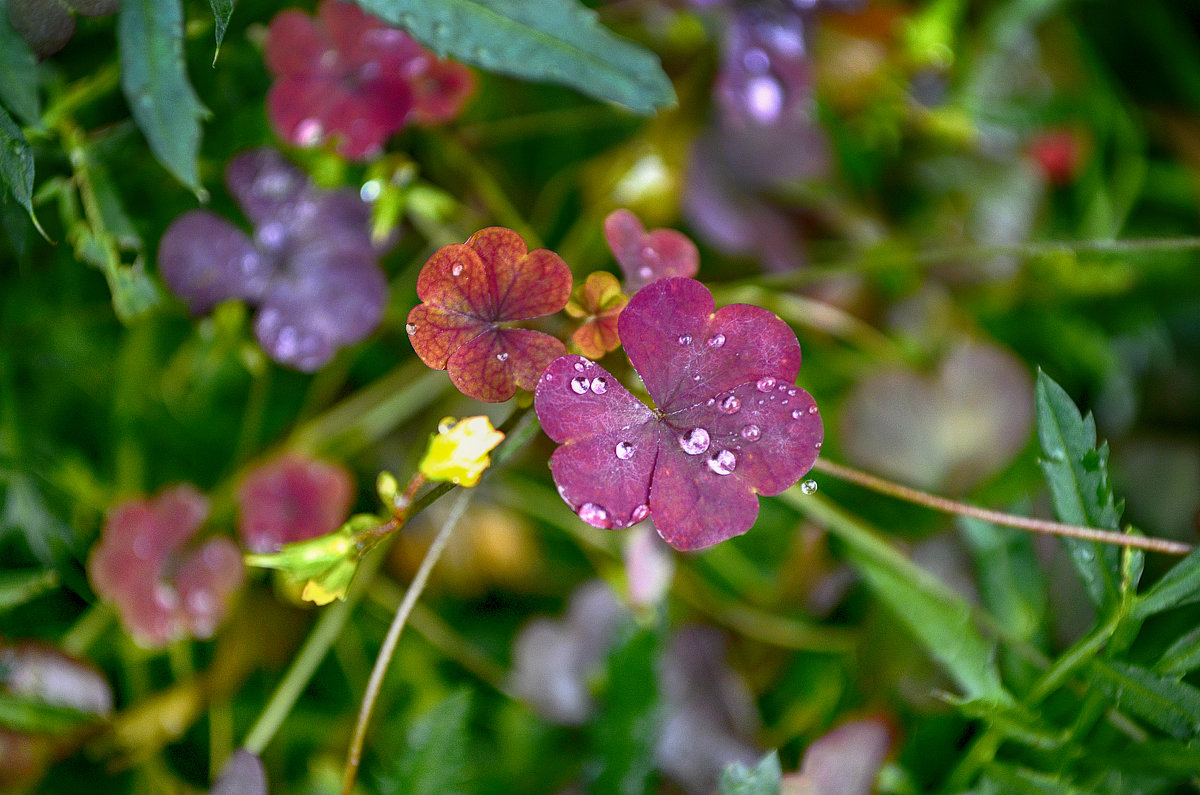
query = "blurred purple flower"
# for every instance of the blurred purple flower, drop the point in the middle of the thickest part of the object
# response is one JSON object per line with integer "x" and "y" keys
{"x": 292, "y": 498}
{"x": 347, "y": 75}
{"x": 310, "y": 268}
{"x": 161, "y": 590}
{"x": 242, "y": 774}
{"x": 47, "y": 25}
{"x": 844, "y": 761}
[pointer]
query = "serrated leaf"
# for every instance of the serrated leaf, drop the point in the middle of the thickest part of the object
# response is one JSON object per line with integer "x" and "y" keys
{"x": 1169, "y": 704}
{"x": 434, "y": 760}
{"x": 19, "y": 587}
{"x": 1181, "y": 657}
{"x": 765, "y": 778}
{"x": 556, "y": 41}
{"x": 1179, "y": 586}
{"x": 1077, "y": 473}
{"x": 626, "y": 727}
{"x": 156, "y": 86}
{"x": 939, "y": 618}
{"x": 16, "y": 163}
{"x": 222, "y": 11}
{"x": 18, "y": 65}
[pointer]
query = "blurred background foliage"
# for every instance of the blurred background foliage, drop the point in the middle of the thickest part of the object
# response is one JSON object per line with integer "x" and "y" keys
{"x": 979, "y": 190}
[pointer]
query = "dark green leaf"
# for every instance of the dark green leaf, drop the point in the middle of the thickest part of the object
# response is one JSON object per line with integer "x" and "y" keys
{"x": 1182, "y": 657}
{"x": 626, "y": 727}
{"x": 1010, "y": 579}
{"x": 1179, "y": 586}
{"x": 763, "y": 779}
{"x": 222, "y": 11}
{"x": 155, "y": 81}
{"x": 1011, "y": 779}
{"x": 1015, "y": 722}
{"x": 1169, "y": 704}
{"x": 19, "y": 587}
{"x": 19, "y": 84}
{"x": 16, "y": 163}
{"x": 434, "y": 761}
{"x": 1077, "y": 473}
{"x": 558, "y": 41}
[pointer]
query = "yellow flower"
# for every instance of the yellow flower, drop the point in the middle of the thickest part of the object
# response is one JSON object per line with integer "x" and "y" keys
{"x": 459, "y": 451}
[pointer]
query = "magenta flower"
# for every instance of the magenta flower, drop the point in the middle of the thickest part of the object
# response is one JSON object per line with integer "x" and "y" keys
{"x": 729, "y": 423}
{"x": 346, "y": 75}
{"x": 292, "y": 498}
{"x": 472, "y": 294}
{"x": 310, "y": 268}
{"x": 164, "y": 590}
{"x": 646, "y": 256}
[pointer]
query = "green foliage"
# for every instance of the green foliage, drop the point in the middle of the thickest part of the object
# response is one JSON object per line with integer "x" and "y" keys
{"x": 21, "y": 586}
{"x": 762, "y": 779}
{"x": 154, "y": 79}
{"x": 19, "y": 86}
{"x": 222, "y": 10}
{"x": 555, "y": 40}
{"x": 430, "y": 755}
{"x": 1169, "y": 704}
{"x": 626, "y": 728}
{"x": 16, "y": 163}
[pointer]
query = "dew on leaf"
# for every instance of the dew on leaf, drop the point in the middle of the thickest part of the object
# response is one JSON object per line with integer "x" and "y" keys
{"x": 808, "y": 487}
{"x": 695, "y": 441}
{"x": 731, "y": 405}
{"x": 599, "y": 386}
{"x": 751, "y": 433}
{"x": 723, "y": 462}
{"x": 580, "y": 384}
{"x": 765, "y": 384}
{"x": 624, "y": 450}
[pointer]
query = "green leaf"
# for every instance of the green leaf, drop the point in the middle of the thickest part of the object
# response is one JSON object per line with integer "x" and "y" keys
{"x": 19, "y": 587}
{"x": 937, "y": 616}
{"x": 1010, "y": 579}
{"x": 625, "y": 729}
{"x": 1179, "y": 586}
{"x": 1010, "y": 779}
{"x": 557, "y": 41}
{"x": 222, "y": 11}
{"x": 1169, "y": 704}
{"x": 26, "y": 514}
{"x": 16, "y": 163}
{"x": 18, "y": 714}
{"x": 765, "y": 778}
{"x": 435, "y": 760}
{"x": 155, "y": 82}
{"x": 1182, "y": 657}
{"x": 1077, "y": 473}
{"x": 18, "y": 65}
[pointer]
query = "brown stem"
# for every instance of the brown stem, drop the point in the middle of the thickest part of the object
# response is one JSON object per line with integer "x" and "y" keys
{"x": 945, "y": 505}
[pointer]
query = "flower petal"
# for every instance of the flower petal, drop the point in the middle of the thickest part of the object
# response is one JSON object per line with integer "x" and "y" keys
{"x": 436, "y": 333}
{"x": 205, "y": 260}
{"x": 294, "y": 45}
{"x": 207, "y": 582}
{"x": 645, "y": 257}
{"x": 491, "y": 366}
{"x": 266, "y": 185}
{"x": 577, "y": 399}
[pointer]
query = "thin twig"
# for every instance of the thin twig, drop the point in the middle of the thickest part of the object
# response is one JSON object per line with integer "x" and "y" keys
{"x": 354, "y": 755}
{"x": 1044, "y": 526}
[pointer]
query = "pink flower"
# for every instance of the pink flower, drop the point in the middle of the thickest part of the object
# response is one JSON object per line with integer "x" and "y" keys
{"x": 344, "y": 74}
{"x": 292, "y": 499}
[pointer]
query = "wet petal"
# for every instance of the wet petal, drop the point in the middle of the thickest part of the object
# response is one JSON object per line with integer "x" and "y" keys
{"x": 205, "y": 260}
{"x": 491, "y": 366}
{"x": 266, "y": 185}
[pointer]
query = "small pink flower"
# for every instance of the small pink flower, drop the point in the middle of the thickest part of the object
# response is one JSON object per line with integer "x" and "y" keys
{"x": 346, "y": 75}
{"x": 292, "y": 498}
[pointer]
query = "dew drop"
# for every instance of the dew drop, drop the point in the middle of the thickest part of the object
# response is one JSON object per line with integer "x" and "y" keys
{"x": 765, "y": 384}
{"x": 580, "y": 384}
{"x": 694, "y": 442}
{"x": 370, "y": 190}
{"x": 456, "y": 269}
{"x": 502, "y": 356}
{"x": 791, "y": 393}
{"x": 696, "y": 377}
{"x": 808, "y": 487}
{"x": 812, "y": 409}
{"x": 639, "y": 513}
{"x": 685, "y": 339}
{"x": 594, "y": 515}
{"x": 599, "y": 386}
{"x": 579, "y": 367}
{"x": 723, "y": 462}
{"x": 710, "y": 401}
{"x": 411, "y": 328}
{"x": 818, "y": 445}
{"x": 784, "y": 403}
{"x": 445, "y": 424}
{"x": 716, "y": 341}
{"x": 730, "y": 405}
{"x": 751, "y": 433}
{"x": 797, "y": 414}
{"x": 624, "y": 450}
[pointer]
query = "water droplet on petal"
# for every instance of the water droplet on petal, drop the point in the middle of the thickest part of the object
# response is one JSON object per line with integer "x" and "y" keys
{"x": 716, "y": 341}
{"x": 309, "y": 132}
{"x": 446, "y": 424}
{"x": 808, "y": 487}
{"x": 579, "y": 367}
{"x": 685, "y": 339}
{"x": 502, "y": 356}
{"x": 818, "y": 445}
{"x": 797, "y": 414}
{"x": 599, "y": 386}
{"x": 580, "y": 384}
{"x": 411, "y": 328}
{"x": 765, "y": 384}
{"x": 694, "y": 442}
{"x": 812, "y": 409}
{"x": 723, "y": 462}
{"x": 791, "y": 393}
{"x": 730, "y": 405}
{"x": 751, "y": 433}
{"x": 456, "y": 269}
{"x": 594, "y": 515}
{"x": 624, "y": 450}
{"x": 639, "y": 513}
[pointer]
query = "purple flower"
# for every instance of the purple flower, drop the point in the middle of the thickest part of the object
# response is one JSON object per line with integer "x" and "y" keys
{"x": 729, "y": 423}
{"x": 310, "y": 268}
{"x": 292, "y": 498}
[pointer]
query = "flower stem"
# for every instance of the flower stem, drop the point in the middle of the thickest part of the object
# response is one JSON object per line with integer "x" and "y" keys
{"x": 354, "y": 754}
{"x": 936, "y": 503}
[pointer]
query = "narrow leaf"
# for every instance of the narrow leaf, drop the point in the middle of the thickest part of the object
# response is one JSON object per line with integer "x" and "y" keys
{"x": 1179, "y": 586}
{"x": 19, "y": 86}
{"x": 938, "y": 617}
{"x": 1005, "y": 778}
{"x": 1077, "y": 473}
{"x": 557, "y": 41}
{"x": 1182, "y": 657}
{"x": 16, "y": 163}
{"x": 222, "y": 11}
{"x": 24, "y": 715}
{"x": 434, "y": 759}
{"x": 1169, "y": 704}
{"x": 1010, "y": 579}
{"x": 19, "y": 587}
{"x": 155, "y": 81}
{"x": 763, "y": 779}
